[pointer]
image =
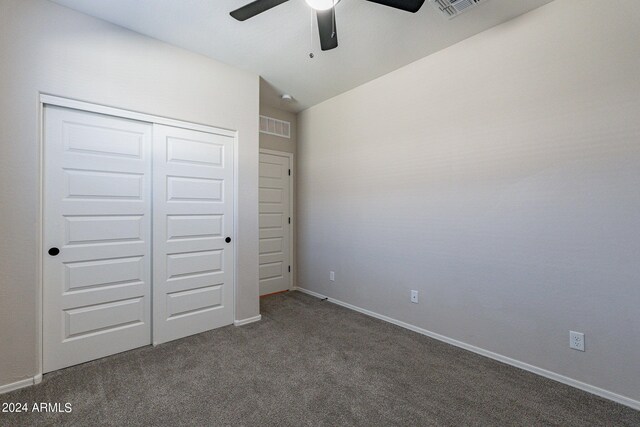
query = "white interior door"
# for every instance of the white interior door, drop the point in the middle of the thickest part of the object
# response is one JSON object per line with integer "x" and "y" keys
{"x": 96, "y": 290}
{"x": 193, "y": 218}
{"x": 275, "y": 224}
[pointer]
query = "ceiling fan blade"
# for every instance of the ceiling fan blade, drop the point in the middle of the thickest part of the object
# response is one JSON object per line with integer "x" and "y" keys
{"x": 409, "y": 5}
{"x": 255, "y": 8}
{"x": 327, "y": 29}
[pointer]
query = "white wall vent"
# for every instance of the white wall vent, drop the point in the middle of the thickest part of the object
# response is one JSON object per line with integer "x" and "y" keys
{"x": 275, "y": 127}
{"x": 453, "y": 8}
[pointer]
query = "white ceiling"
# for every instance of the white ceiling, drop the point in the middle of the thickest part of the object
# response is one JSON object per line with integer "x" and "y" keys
{"x": 373, "y": 39}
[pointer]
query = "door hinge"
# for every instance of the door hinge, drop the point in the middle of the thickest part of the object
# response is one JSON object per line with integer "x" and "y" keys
{"x": 289, "y": 269}
{"x": 289, "y": 172}
{"x": 289, "y": 220}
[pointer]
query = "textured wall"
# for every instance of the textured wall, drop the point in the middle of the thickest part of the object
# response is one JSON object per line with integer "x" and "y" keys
{"x": 499, "y": 177}
{"x": 272, "y": 142}
{"x": 50, "y": 49}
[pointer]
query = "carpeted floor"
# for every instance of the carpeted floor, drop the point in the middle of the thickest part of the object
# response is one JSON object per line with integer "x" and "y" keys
{"x": 311, "y": 363}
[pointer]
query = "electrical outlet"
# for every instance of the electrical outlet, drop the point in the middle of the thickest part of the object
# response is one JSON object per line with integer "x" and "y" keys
{"x": 576, "y": 340}
{"x": 414, "y": 297}
{"x": 332, "y": 276}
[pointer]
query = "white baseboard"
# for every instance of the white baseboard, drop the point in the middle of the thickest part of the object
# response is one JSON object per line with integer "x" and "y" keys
{"x": 20, "y": 384}
{"x": 248, "y": 320}
{"x": 627, "y": 401}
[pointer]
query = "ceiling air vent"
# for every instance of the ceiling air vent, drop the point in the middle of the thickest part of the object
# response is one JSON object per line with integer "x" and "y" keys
{"x": 275, "y": 127}
{"x": 453, "y": 8}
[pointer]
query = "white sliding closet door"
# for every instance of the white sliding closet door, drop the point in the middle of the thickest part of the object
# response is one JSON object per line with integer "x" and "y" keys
{"x": 99, "y": 291}
{"x": 96, "y": 261}
{"x": 192, "y": 232}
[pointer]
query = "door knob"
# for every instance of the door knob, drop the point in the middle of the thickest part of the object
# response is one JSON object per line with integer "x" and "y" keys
{"x": 54, "y": 251}
{"x": 228, "y": 240}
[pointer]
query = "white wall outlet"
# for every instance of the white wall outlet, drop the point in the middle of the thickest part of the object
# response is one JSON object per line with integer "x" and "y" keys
{"x": 576, "y": 340}
{"x": 332, "y": 276}
{"x": 414, "y": 297}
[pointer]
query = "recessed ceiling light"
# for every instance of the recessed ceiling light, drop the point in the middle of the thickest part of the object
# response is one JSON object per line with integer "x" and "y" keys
{"x": 322, "y": 4}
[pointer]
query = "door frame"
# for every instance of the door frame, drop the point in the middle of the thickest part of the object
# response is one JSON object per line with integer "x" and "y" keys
{"x": 292, "y": 234}
{"x": 58, "y": 101}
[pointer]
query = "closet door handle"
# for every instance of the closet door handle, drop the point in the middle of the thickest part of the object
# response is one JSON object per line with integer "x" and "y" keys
{"x": 228, "y": 240}
{"x": 53, "y": 251}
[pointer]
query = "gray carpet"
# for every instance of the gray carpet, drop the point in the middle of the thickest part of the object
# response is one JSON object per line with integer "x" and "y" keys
{"x": 309, "y": 363}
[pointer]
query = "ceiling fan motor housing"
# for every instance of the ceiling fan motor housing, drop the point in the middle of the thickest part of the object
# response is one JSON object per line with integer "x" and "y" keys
{"x": 325, "y": 14}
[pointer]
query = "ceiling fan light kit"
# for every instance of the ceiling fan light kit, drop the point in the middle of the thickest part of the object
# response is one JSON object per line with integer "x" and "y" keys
{"x": 325, "y": 14}
{"x": 322, "y": 4}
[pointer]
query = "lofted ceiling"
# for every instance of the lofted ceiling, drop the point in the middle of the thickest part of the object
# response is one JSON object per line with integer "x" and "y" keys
{"x": 373, "y": 39}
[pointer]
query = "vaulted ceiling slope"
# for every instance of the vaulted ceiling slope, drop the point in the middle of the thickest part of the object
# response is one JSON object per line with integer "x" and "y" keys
{"x": 374, "y": 39}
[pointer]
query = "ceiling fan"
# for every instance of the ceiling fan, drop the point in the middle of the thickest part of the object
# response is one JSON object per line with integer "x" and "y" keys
{"x": 325, "y": 13}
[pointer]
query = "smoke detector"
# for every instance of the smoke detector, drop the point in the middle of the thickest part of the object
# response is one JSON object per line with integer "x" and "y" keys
{"x": 453, "y": 8}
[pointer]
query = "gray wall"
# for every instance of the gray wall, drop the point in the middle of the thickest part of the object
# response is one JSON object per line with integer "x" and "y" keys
{"x": 500, "y": 178}
{"x": 272, "y": 142}
{"x": 47, "y": 48}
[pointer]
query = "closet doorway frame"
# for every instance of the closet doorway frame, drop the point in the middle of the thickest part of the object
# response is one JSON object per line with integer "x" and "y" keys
{"x": 58, "y": 101}
{"x": 292, "y": 230}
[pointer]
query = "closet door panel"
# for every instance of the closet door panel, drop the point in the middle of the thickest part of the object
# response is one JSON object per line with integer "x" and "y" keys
{"x": 192, "y": 216}
{"x": 96, "y": 236}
